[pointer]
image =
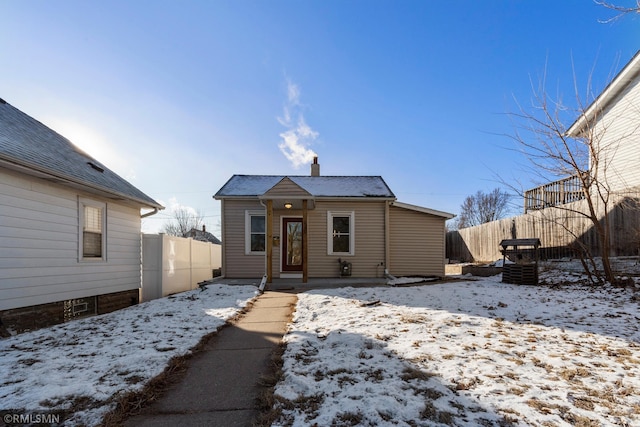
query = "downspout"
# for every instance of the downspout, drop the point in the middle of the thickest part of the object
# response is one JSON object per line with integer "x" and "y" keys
{"x": 263, "y": 282}
{"x": 387, "y": 244}
{"x": 140, "y": 294}
{"x": 153, "y": 212}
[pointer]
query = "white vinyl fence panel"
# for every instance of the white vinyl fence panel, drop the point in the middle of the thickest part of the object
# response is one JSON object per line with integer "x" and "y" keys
{"x": 175, "y": 264}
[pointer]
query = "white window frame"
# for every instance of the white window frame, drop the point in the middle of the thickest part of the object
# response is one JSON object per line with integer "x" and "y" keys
{"x": 247, "y": 231}
{"x": 82, "y": 203}
{"x": 352, "y": 234}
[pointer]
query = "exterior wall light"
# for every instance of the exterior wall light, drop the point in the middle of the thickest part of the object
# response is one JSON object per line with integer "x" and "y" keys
{"x": 288, "y": 205}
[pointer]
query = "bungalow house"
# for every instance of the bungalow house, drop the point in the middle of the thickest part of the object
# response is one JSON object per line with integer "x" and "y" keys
{"x": 325, "y": 226}
{"x": 69, "y": 229}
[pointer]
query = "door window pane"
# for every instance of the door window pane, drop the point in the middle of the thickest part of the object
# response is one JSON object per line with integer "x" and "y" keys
{"x": 294, "y": 243}
{"x": 341, "y": 234}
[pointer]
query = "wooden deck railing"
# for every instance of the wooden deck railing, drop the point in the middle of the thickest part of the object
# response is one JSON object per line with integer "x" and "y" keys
{"x": 555, "y": 193}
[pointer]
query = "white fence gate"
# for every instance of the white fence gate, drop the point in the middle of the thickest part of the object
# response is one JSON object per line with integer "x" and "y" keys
{"x": 175, "y": 264}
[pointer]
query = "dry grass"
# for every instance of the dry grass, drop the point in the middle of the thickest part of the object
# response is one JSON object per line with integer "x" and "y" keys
{"x": 414, "y": 318}
{"x": 431, "y": 413}
{"x": 517, "y": 391}
{"x": 411, "y": 373}
{"x": 266, "y": 402}
{"x": 573, "y": 374}
{"x": 347, "y": 419}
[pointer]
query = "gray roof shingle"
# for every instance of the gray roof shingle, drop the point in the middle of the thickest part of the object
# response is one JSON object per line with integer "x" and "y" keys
{"x": 26, "y": 142}
{"x": 317, "y": 186}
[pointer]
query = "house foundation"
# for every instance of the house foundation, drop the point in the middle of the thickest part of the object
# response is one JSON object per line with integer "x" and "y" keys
{"x": 34, "y": 317}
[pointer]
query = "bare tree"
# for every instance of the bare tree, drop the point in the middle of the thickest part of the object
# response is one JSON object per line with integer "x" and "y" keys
{"x": 483, "y": 207}
{"x": 620, "y": 10}
{"x": 183, "y": 221}
{"x": 552, "y": 151}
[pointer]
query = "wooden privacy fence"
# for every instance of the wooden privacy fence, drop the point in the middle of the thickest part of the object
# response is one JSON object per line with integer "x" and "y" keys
{"x": 175, "y": 264}
{"x": 482, "y": 243}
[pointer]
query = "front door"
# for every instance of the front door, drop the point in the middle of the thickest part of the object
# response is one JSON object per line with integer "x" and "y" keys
{"x": 292, "y": 244}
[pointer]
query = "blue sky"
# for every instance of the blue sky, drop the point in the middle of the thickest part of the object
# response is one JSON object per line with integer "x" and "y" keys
{"x": 177, "y": 96}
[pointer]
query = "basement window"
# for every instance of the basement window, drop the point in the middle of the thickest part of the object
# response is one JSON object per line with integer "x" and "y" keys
{"x": 81, "y": 307}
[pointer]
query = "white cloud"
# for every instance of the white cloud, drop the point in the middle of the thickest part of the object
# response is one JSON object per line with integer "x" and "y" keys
{"x": 299, "y": 135}
{"x": 293, "y": 92}
{"x": 174, "y": 206}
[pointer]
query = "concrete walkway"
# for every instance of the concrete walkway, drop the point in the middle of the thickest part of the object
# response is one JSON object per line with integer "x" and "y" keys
{"x": 220, "y": 385}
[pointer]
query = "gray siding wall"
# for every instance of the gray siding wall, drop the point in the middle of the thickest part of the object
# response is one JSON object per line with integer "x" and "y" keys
{"x": 39, "y": 245}
{"x": 417, "y": 243}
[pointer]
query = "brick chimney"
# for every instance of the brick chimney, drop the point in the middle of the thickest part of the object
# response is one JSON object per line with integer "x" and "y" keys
{"x": 315, "y": 167}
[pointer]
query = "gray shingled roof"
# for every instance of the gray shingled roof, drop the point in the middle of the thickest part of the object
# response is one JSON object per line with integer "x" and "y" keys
{"x": 317, "y": 186}
{"x": 26, "y": 142}
{"x": 202, "y": 236}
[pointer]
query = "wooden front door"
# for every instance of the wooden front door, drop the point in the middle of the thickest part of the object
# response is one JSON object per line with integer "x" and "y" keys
{"x": 292, "y": 244}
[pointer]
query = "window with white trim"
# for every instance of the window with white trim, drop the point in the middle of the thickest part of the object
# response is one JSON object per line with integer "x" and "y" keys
{"x": 255, "y": 232}
{"x": 93, "y": 220}
{"x": 341, "y": 236}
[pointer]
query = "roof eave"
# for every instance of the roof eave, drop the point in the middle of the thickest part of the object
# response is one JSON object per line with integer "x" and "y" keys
{"x": 422, "y": 209}
{"x": 325, "y": 198}
{"x": 52, "y": 176}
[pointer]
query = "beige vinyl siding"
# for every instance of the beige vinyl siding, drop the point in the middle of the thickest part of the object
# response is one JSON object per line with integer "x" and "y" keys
{"x": 417, "y": 240}
{"x": 39, "y": 245}
{"x": 416, "y": 243}
{"x": 278, "y": 214}
{"x": 368, "y": 235}
{"x": 620, "y": 133}
{"x": 285, "y": 188}
{"x": 235, "y": 263}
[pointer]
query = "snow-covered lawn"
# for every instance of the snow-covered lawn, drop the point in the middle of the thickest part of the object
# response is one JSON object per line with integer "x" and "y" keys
{"x": 87, "y": 363}
{"x": 471, "y": 353}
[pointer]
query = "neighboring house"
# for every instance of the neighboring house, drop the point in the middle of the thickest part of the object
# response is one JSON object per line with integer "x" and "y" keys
{"x": 306, "y": 226}
{"x": 612, "y": 123}
{"x": 613, "y": 120}
{"x": 202, "y": 236}
{"x": 69, "y": 228}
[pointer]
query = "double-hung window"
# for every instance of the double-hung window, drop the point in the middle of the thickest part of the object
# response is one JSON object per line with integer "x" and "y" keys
{"x": 341, "y": 236}
{"x": 92, "y": 241}
{"x": 255, "y": 232}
